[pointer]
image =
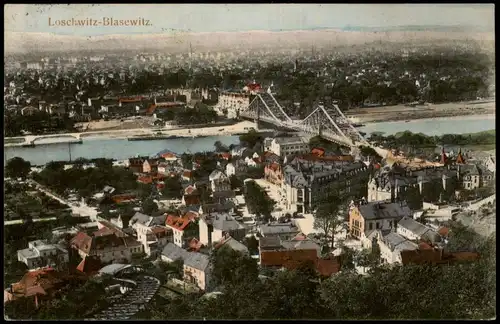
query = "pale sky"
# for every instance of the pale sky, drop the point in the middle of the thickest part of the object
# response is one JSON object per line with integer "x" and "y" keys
{"x": 244, "y": 17}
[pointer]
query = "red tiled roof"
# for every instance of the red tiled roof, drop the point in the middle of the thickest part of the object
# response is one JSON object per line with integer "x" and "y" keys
{"x": 82, "y": 242}
{"x": 168, "y": 155}
{"x": 191, "y": 215}
{"x": 226, "y": 156}
{"x": 318, "y": 151}
{"x": 187, "y": 174}
{"x": 124, "y": 197}
{"x": 443, "y": 231}
{"x": 274, "y": 166}
{"x": 179, "y": 223}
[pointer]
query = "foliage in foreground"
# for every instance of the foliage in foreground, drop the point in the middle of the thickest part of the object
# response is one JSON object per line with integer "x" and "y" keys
{"x": 458, "y": 291}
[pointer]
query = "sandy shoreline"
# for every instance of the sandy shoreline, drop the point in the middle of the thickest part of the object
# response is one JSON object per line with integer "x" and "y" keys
{"x": 428, "y": 111}
{"x": 465, "y": 117}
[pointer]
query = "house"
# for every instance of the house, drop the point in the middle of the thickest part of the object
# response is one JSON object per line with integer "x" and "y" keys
{"x": 219, "y": 181}
{"x": 436, "y": 257}
{"x": 308, "y": 183}
{"x": 222, "y": 196}
{"x": 238, "y": 150}
{"x": 231, "y": 243}
{"x": 39, "y": 284}
{"x": 290, "y": 254}
{"x": 163, "y": 168}
{"x": 39, "y": 254}
{"x": 284, "y": 146}
{"x": 284, "y": 231}
{"x": 151, "y": 232}
{"x": 191, "y": 196}
{"x": 469, "y": 176}
{"x": 106, "y": 247}
{"x": 236, "y": 167}
{"x": 365, "y": 217}
{"x": 172, "y": 252}
{"x": 391, "y": 246}
{"x": 214, "y": 227}
{"x": 145, "y": 220}
{"x": 273, "y": 173}
{"x": 197, "y": 270}
{"x": 136, "y": 164}
{"x": 184, "y": 229}
{"x": 150, "y": 165}
{"x": 169, "y": 157}
{"x": 413, "y": 230}
{"x": 226, "y": 207}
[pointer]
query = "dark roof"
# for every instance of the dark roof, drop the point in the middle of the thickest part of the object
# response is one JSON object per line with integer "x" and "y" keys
{"x": 382, "y": 210}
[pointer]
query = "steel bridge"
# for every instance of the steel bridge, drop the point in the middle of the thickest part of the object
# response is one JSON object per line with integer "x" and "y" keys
{"x": 331, "y": 124}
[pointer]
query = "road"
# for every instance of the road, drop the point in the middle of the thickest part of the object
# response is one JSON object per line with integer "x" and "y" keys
{"x": 78, "y": 209}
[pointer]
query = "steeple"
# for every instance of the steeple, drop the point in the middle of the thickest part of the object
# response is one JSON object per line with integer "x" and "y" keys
{"x": 460, "y": 157}
{"x": 444, "y": 158}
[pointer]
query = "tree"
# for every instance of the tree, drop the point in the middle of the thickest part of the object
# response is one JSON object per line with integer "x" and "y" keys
{"x": 252, "y": 244}
{"x": 17, "y": 168}
{"x": 327, "y": 219}
{"x": 236, "y": 183}
{"x": 149, "y": 206}
{"x": 231, "y": 267}
{"x": 173, "y": 188}
{"x": 219, "y": 147}
{"x": 251, "y": 139}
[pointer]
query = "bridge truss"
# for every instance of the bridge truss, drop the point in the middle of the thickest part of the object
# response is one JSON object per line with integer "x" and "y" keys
{"x": 329, "y": 123}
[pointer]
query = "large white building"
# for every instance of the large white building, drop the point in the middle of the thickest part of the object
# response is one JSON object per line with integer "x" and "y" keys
{"x": 284, "y": 146}
{"x": 232, "y": 102}
{"x": 40, "y": 254}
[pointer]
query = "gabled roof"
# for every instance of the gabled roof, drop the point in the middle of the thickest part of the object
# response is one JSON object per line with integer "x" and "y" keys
{"x": 173, "y": 252}
{"x": 178, "y": 223}
{"x": 197, "y": 260}
{"x": 413, "y": 226}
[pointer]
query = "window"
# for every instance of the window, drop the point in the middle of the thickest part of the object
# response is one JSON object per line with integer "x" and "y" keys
{"x": 378, "y": 225}
{"x": 370, "y": 226}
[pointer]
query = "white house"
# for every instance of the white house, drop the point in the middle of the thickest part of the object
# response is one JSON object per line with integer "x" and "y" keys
{"x": 284, "y": 146}
{"x": 153, "y": 238}
{"x": 219, "y": 181}
{"x": 197, "y": 270}
{"x": 39, "y": 254}
{"x": 391, "y": 246}
{"x": 413, "y": 230}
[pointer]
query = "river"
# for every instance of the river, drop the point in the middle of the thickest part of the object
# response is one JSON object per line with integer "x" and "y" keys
{"x": 119, "y": 149}
{"x": 122, "y": 149}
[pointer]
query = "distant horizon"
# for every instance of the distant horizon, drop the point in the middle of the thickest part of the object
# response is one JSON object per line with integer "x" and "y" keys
{"x": 347, "y": 28}
{"x": 214, "y": 18}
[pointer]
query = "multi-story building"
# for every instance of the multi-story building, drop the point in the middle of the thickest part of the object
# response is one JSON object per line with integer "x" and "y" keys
{"x": 284, "y": 146}
{"x": 366, "y": 217}
{"x": 306, "y": 184}
{"x": 184, "y": 229}
{"x": 233, "y": 102}
{"x": 40, "y": 254}
{"x": 214, "y": 227}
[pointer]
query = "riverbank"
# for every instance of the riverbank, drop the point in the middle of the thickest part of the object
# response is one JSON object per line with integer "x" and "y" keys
{"x": 427, "y": 111}
{"x": 227, "y": 130}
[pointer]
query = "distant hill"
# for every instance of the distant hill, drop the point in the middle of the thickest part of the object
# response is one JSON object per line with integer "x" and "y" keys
{"x": 419, "y": 28}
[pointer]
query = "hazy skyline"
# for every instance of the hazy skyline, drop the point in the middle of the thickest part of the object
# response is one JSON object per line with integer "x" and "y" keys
{"x": 245, "y": 17}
